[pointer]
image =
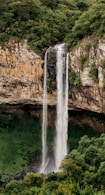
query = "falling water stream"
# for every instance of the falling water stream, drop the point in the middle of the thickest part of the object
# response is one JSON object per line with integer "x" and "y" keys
{"x": 60, "y": 149}
{"x": 44, "y": 122}
{"x": 62, "y": 106}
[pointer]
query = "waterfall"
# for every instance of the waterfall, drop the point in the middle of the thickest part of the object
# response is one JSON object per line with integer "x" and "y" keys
{"x": 65, "y": 136}
{"x": 62, "y": 107}
{"x": 60, "y": 149}
{"x": 44, "y": 122}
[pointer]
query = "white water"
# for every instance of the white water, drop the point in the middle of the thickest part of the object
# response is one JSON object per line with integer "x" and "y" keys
{"x": 65, "y": 135}
{"x": 44, "y": 122}
{"x": 62, "y": 107}
{"x": 60, "y": 149}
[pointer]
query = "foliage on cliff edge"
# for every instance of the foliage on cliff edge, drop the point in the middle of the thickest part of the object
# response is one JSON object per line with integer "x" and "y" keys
{"x": 44, "y": 23}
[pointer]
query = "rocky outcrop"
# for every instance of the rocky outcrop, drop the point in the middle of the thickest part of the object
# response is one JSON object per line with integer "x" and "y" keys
{"x": 20, "y": 74}
{"x": 87, "y": 60}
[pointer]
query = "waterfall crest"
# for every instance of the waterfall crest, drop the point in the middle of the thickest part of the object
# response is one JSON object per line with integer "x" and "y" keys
{"x": 62, "y": 106}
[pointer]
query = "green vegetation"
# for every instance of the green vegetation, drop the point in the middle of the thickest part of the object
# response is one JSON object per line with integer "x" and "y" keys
{"x": 83, "y": 173}
{"x": 103, "y": 63}
{"x": 87, "y": 163}
{"x": 75, "y": 133}
{"x": 44, "y": 23}
{"x": 19, "y": 138}
{"x": 82, "y": 60}
{"x": 89, "y": 23}
{"x": 20, "y": 142}
{"x": 94, "y": 72}
{"x": 74, "y": 80}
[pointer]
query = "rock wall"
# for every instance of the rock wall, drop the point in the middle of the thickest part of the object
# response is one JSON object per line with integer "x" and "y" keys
{"x": 87, "y": 60}
{"x": 20, "y": 74}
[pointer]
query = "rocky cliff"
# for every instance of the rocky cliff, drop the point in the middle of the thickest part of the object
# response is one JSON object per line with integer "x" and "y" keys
{"x": 87, "y": 61}
{"x": 20, "y": 74}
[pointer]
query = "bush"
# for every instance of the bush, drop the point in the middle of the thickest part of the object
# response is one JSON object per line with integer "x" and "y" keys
{"x": 94, "y": 72}
{"x": 82, "y": 59}
{"x": 74, "y": 80}
{"x": 33, "y": 179}
{"x": 13, "y": 186}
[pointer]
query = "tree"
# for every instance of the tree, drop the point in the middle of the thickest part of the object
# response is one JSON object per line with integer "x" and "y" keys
{"x": 51, "y": 4}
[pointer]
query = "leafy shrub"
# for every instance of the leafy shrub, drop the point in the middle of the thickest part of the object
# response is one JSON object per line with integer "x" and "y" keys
{"x": 33, "y": 179}
{"x": 82, "y": 6}
{"x": 13, "y": 186}
{"x": 74, "y": 80}
{"x": 82, "y": 60}
{"x": 94, "y": 72}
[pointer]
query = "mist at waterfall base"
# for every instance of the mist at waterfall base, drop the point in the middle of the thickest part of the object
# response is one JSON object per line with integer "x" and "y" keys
{"x": 61, "y": 126}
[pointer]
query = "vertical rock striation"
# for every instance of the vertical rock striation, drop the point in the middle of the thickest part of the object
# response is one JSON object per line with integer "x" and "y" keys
{"x": 20, "y": 74}
{"x": 88, "y": 63}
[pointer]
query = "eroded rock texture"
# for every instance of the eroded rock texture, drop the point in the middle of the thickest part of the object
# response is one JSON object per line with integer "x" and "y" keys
{"x": 20, "y": 74}
{"x": 87, "y": 60}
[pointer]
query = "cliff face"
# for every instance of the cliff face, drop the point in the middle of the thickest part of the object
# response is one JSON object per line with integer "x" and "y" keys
{"x": 87, "y": 60}
{"x": 20, "y": 74}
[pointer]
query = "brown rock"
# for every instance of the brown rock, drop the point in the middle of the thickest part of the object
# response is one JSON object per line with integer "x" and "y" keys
{"x": 20, "y": 74}
{"x": 91, "y": 95}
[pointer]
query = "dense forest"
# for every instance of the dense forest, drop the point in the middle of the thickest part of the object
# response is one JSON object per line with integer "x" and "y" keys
{"x": 45, "y": 23}
{"x": 83, "y": 173}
